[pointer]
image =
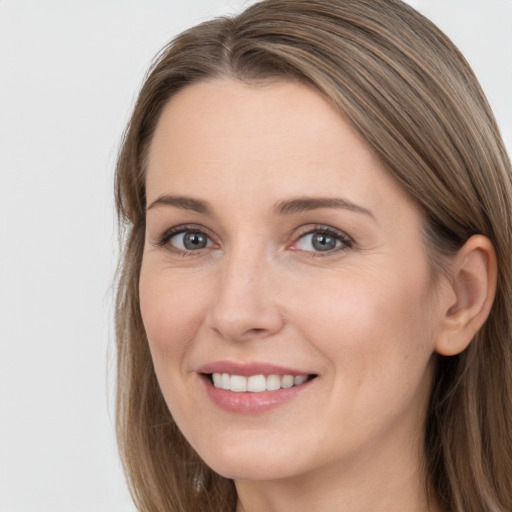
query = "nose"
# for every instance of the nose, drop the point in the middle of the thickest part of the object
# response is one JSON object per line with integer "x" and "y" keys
{"x": 245, "y": 305}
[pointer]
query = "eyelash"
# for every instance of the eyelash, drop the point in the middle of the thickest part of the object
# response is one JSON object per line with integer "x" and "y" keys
{"x": 163, "y": 240}
{"x": 346, "y": 241}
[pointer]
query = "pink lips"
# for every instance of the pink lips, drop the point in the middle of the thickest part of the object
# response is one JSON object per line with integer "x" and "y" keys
{"x": 248, "y": 369}
{"x": 249, "y": 402}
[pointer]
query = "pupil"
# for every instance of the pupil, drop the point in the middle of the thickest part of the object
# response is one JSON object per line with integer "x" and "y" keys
{"x": 194, "y": 241}
{"x": 323, "y": 242}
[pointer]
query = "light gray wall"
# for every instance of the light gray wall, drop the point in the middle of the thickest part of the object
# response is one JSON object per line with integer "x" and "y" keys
{"x": 69, "y": 70}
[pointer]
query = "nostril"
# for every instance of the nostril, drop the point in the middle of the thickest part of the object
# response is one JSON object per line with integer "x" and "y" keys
{"x": 256, "y": 330}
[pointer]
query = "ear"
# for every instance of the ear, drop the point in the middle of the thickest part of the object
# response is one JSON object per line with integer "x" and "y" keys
{"x": 472, "y": 286}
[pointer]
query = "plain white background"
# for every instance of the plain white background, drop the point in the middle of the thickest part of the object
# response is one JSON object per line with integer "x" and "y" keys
{"x": 69, "y": 72}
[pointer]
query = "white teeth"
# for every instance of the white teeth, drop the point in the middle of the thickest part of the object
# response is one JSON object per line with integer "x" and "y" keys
{"x": 238, "y": 383}
{"x": 300, "y": 379}
{"x": 287, "y": 381}
{"x": 256, "y": 383}
{"x": 217, "y": 380}
{"x": 273, "y": 382}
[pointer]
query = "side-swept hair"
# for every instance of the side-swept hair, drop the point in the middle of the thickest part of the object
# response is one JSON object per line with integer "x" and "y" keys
{"x": 407, "y": 89}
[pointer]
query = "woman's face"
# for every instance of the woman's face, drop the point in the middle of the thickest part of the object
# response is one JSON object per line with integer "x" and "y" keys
{"x": 279, "y": 252}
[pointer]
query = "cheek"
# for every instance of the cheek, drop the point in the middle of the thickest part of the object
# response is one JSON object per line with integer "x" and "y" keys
{"x": 377, "y": 337}
{"x": 172, "y": 310}
{"x": 375, "y": 329}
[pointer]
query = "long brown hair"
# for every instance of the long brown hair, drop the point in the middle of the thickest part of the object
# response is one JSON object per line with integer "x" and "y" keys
{"x": 411, "y": 94}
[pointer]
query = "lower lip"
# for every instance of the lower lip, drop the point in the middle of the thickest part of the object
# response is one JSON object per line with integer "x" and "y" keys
{"x": 251, "y": 403}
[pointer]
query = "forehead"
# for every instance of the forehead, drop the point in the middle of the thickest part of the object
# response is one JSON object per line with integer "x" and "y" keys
{"x": 221, "y": 137}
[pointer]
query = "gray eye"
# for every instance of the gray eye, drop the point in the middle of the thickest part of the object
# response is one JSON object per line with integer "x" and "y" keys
{"x": 319, "y": 242}
{"x": 190, "y": 241}
{"x": 323, "y": 242}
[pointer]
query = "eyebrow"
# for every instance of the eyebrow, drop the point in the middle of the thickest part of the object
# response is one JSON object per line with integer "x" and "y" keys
{"x": 182, "y": 202}
{"x": 285, "y": 207}
{"x": 304, "y": 204}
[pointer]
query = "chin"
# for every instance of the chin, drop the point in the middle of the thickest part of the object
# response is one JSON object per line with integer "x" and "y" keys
{"x": 249, "y": 470}
{"x": 241, "y": 463}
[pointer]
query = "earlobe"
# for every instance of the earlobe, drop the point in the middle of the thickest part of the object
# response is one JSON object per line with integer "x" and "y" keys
{"x": 473, "y": 286}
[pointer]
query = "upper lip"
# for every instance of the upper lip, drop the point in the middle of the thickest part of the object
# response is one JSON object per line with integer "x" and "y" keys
{"x": 248, "y": 369}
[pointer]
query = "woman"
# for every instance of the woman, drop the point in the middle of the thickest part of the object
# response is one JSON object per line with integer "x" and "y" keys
{"x": 314, "y": 294}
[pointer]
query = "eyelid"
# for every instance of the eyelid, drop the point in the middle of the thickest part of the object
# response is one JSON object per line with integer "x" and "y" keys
{"x": 162, "y": 239}
{"x": 346, "y": 240}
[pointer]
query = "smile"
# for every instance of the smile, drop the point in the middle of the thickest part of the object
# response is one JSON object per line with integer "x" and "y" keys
{"x": 256, "y": 383}
{"x": 253, "y": 387}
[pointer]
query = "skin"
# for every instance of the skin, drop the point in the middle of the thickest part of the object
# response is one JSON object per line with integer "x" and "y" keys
{"x": 365, "y": 317}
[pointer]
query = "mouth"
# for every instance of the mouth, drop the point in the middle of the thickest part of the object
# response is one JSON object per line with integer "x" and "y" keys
{"x": 256, "y": 383}
{"x": 253, "y": 387}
